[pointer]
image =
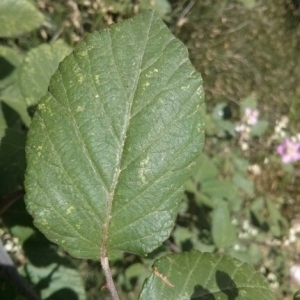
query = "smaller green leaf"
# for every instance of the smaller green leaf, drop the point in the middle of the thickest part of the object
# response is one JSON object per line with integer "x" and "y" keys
{"x": 259, "y": 128}
{"x": 221, "y": 189}
{"x": 136, "y": 271}
{"x": 12, "y": 96}
{"x": 10, "y": 59}
{"x": 162, "y": 7}
{"x": 223, "y": 232}
{"x": 249, "y": 102}
{"x": 190, "y": 186}
{"x": 18, "y": 17}
{"x": 240, "y": 163}
{"x": 256, "y": 212}
{"x": 250, "y": 255}
{"x": 56, "y": 281}
{"x": 206, "y": 169}
{"x": 39, "y": 65}
{"x": 248, "y": 3}
{"x": 202, "y": 199}
{"x": 197, "y": 275}
{"x": 243, "y": 183}
{"x": 12, "y": 152}
{"x": 181, "y": 234}
{"x": 22, "y": 232}
{"x": 278, "y": 223}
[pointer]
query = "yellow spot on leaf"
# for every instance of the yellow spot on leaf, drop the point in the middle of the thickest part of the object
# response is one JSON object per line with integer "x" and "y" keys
{"x": 142, "y": 169}
{"x": 69, "y": 210}
{"x": 79, "y": 109}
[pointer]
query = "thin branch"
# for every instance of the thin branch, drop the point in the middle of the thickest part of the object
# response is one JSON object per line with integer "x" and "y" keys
{"x": 108, "y": 276}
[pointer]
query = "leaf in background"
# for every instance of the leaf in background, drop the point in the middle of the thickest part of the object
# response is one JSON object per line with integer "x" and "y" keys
{"x": 162, "y": 7}
{"x": 259, "y": 128}
{"x": 249, "y": 102}
{"x": 257, "y": 214}
{"x": 18, "y": 17}
{"x": 10, "y": 59}
{"x": 55, "y": 282}
{"x": 37, "y": 68}
{"x": 197, "y": 275}
{"x": 240, "y": 163}
{"x": 222, "y": 189}
{"x": 113, "y": 142}
{"x": 243, "y": 183}
{"x": 135, "y": 275}
{"x": 223, "y": 231}
{"x": 251, "y": 255}
{"x": 278, "y": 224}
{"x": 12, "y": 152}
{"x": 206, "y": 169}
{"x": 13, "y": 98}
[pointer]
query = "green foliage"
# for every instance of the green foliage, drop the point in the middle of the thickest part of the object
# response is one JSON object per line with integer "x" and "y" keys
{"x": 37, "y": 68}
{"x": 12, "y": 163}
{"x": 108, "y": 136}
{"x": 109, "y": 150}
{"x": 197, "y": 275}
{"x": 55, "y": 281}
{"x": 17, "y": 17}
{"x": 162, "y": 7}
{"x": 223, "y": 232}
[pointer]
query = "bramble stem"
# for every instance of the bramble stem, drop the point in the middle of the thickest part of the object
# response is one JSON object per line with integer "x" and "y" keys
{"x": 108, "y": 277}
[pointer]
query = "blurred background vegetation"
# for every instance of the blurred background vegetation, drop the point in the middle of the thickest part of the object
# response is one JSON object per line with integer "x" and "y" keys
{"x": 248, "y": 54}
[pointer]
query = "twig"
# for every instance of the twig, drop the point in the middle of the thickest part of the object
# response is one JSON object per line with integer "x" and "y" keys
{"x": 108, "y": 277}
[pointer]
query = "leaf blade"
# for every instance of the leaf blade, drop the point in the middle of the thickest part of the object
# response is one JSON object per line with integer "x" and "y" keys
{"x": 113, "y": 157}
{"x": 11, "y": 11}
{"x": 197, "y": 275}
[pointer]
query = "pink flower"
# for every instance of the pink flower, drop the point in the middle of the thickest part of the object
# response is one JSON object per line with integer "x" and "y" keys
{"x": 251, "y": 116}
{"x": 289, "y": 151}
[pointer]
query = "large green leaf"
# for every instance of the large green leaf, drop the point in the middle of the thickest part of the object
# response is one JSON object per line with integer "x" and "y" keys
{"x": 206, "y": 276}
{"x": 39, "y": 65}
{"x": 17, "y": 17}
{"x": 114, "y": 140}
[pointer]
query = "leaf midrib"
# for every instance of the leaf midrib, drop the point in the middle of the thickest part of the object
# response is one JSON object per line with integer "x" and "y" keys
{"x": 103, "y": 250}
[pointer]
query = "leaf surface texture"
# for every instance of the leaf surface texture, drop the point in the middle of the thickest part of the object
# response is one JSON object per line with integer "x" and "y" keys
{"x": 113, "y": 142}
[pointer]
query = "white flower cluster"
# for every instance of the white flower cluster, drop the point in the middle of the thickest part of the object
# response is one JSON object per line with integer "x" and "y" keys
{"x": 280, "y": 127}
{"x": 248, "y": 231}
{"x": 293, "y": 234}
{"x": 254, "y": 169}
{"x": 249, "y": 119}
